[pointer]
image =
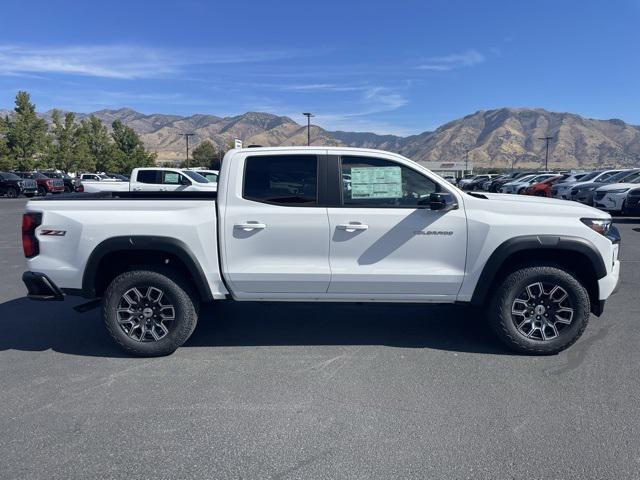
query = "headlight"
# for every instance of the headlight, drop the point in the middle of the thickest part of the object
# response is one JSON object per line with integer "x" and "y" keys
{"x": 599, "y": 225}
{"x": 618, "y": 190}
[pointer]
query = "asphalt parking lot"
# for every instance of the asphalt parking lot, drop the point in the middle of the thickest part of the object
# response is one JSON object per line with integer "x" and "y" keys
{"x": 315, "y": 391}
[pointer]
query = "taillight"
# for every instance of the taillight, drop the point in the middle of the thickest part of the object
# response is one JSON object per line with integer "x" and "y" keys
{"x": 30, "y": 245}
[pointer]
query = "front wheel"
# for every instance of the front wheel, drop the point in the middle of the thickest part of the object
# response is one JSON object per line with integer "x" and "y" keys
{"x": 149, "y": 312}
{"x": 540, "y": 310}
{"x": 42, "y": 191}
{"x": 12, "y": 192}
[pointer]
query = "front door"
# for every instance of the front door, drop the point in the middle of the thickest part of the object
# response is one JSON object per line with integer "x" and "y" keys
{"x": 387, "y": 242}
{"x": 276, "y": 237}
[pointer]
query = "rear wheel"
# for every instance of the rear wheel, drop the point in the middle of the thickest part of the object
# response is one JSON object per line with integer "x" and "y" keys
{"x": 540, "y": 310}
{"x": 149, "y": 312}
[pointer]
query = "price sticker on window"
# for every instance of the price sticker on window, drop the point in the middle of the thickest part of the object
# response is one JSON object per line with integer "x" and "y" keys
{"x": 376, "y": 182}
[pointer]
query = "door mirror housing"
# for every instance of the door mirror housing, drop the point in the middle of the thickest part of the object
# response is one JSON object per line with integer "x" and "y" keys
{"x": 442, "y": 201}
{"x": 185, "y": 181}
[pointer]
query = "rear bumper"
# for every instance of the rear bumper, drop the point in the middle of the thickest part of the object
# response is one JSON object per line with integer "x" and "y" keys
{"x": 41, "y": 287}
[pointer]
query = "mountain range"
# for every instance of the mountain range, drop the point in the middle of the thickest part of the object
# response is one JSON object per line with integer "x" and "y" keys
{"x": 493, "y": 138}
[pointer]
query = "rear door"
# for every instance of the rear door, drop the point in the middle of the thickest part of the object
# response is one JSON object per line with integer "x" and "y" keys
{"x": 275, "y": 233}
{"x": 146, "y": 181}
{"x": 385, "y": 240}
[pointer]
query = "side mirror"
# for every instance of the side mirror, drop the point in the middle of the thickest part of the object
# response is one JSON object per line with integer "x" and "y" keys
{"x": 185, "y": 181}
{"x": 443, "y": 201}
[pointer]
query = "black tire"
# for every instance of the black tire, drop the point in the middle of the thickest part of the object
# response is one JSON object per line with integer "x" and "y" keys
{"x": 503, "y": 321}
{"x": 176, "y": 292}
{"x": 42, "y": 191}
{"x": 540, "y": 193}
{"x": 12, "y": 192}
{"x": 67, "y": 189}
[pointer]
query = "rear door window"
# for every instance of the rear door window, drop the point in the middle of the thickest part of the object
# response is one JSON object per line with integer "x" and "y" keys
{"x": 287, "y": 180}
{"x": 147, "y": 176}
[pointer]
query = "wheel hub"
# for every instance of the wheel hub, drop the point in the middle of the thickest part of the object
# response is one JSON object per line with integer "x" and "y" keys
{"x": 145, "y": 314}
{"x": 542, "y": 311}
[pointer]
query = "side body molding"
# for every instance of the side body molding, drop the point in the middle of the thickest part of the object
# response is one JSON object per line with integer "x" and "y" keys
{"x": 145, "y": 243}
{"x": 534, "y": 242}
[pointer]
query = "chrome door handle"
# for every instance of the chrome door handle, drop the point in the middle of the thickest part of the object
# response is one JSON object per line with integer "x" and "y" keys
{"x": 351, "y": 227}
{"x": 247, "y": 227}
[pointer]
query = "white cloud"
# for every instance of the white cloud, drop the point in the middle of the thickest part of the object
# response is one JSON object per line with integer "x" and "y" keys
{"x": 120, "y": 61}
{"x": 453, "y": 61}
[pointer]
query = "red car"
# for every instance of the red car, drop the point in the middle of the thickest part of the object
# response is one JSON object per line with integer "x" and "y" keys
{"x": 45, "y": 184}
{"x": 543, "y": 189}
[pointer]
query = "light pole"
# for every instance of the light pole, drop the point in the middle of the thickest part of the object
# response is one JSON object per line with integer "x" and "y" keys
{"x": 466, "y": 161}
{"x": 186, "y": 136}
{"x": 308, "y": 115}
{"x": 546, "y": 156}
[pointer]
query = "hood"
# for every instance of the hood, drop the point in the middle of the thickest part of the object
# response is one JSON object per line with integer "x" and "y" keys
{"x": 616, "y": 186}
{"x": 532, "y": 205}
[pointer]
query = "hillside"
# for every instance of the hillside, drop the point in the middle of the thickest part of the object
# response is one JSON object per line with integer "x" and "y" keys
{"x": 499, "y": 138}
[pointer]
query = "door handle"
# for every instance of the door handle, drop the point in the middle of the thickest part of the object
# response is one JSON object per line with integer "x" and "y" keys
{"x": 247, "y": 227}
{"x": 351, "y": 227}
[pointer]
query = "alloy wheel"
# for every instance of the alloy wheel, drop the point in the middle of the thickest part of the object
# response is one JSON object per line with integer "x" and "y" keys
{"x": 542, "y": 311}
{"x": 145, "y": 314}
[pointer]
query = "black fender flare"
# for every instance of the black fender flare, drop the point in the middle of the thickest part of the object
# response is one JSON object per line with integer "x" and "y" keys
{"x": 152, "y": 244}
{"x": 534, "y": 242}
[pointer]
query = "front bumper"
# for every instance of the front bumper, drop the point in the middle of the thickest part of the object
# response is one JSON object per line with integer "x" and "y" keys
{"x": 41, "y": 287}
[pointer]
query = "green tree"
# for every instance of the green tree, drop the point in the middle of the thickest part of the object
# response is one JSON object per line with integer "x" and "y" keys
{"x": 129, "y": 150}
{"x": 204, "y": 155}
{"x": 5, "y": 161}
{"x": 25, "y": 133}
{"x": 94, "y": 139}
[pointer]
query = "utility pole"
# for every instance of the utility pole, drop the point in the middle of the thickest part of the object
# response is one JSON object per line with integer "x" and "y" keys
{"x": 308, "y": 115}
{"x": 546, "y": 156}
{"x": 186, "y": 137}
{"x": 466, "y": 160}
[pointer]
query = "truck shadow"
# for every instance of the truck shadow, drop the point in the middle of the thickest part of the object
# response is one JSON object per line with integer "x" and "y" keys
{"x": 40, "y": 326}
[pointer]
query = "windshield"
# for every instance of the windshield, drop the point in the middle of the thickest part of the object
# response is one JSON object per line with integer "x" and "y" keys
{"x": 195, "y": 176}
{"x": 525, "y": 178}
{"x": 39, "y": 175}
{"x": 590, "y": 176}
{"x": 625, "y": 176}
{"x": 9, "y": 176}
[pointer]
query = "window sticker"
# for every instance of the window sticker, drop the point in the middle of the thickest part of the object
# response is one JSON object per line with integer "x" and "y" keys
{"x": 376, "y": 182}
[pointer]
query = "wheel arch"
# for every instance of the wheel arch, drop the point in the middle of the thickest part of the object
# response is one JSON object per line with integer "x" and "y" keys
{"x": 117, "y": 254}
{"x": 575, "y": 254}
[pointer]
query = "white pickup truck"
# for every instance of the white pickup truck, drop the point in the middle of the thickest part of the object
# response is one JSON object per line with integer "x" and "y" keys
{"x": 323, "y": 225}
{"x": 159, "y": 179}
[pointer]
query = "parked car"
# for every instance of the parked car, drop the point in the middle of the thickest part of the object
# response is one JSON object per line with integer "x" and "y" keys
{"x": 44, "y": 184}
{"x": 12, "y": 186}
{"x": 496, "y": 185}
{"x": 148, "y": 259}
{"x": 562, "y": 189}
{"x": 543, "y": 188}
{"x": 154, "y": 179}
{"x": 612, "y": 197}
{"x": 520, "y": 184}
{"x": 632, "y": 202}
{"x": 583, "y": 191}
{"x": 476, "y": 182}
{"x": 70, "y": 184}
{"x": 466, "y": 179}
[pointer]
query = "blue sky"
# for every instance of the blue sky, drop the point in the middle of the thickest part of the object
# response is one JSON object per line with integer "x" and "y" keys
{"x": 397, "y": 66}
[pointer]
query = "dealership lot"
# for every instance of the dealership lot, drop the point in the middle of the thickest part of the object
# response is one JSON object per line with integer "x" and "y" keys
{"x": 308, "y": 391}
